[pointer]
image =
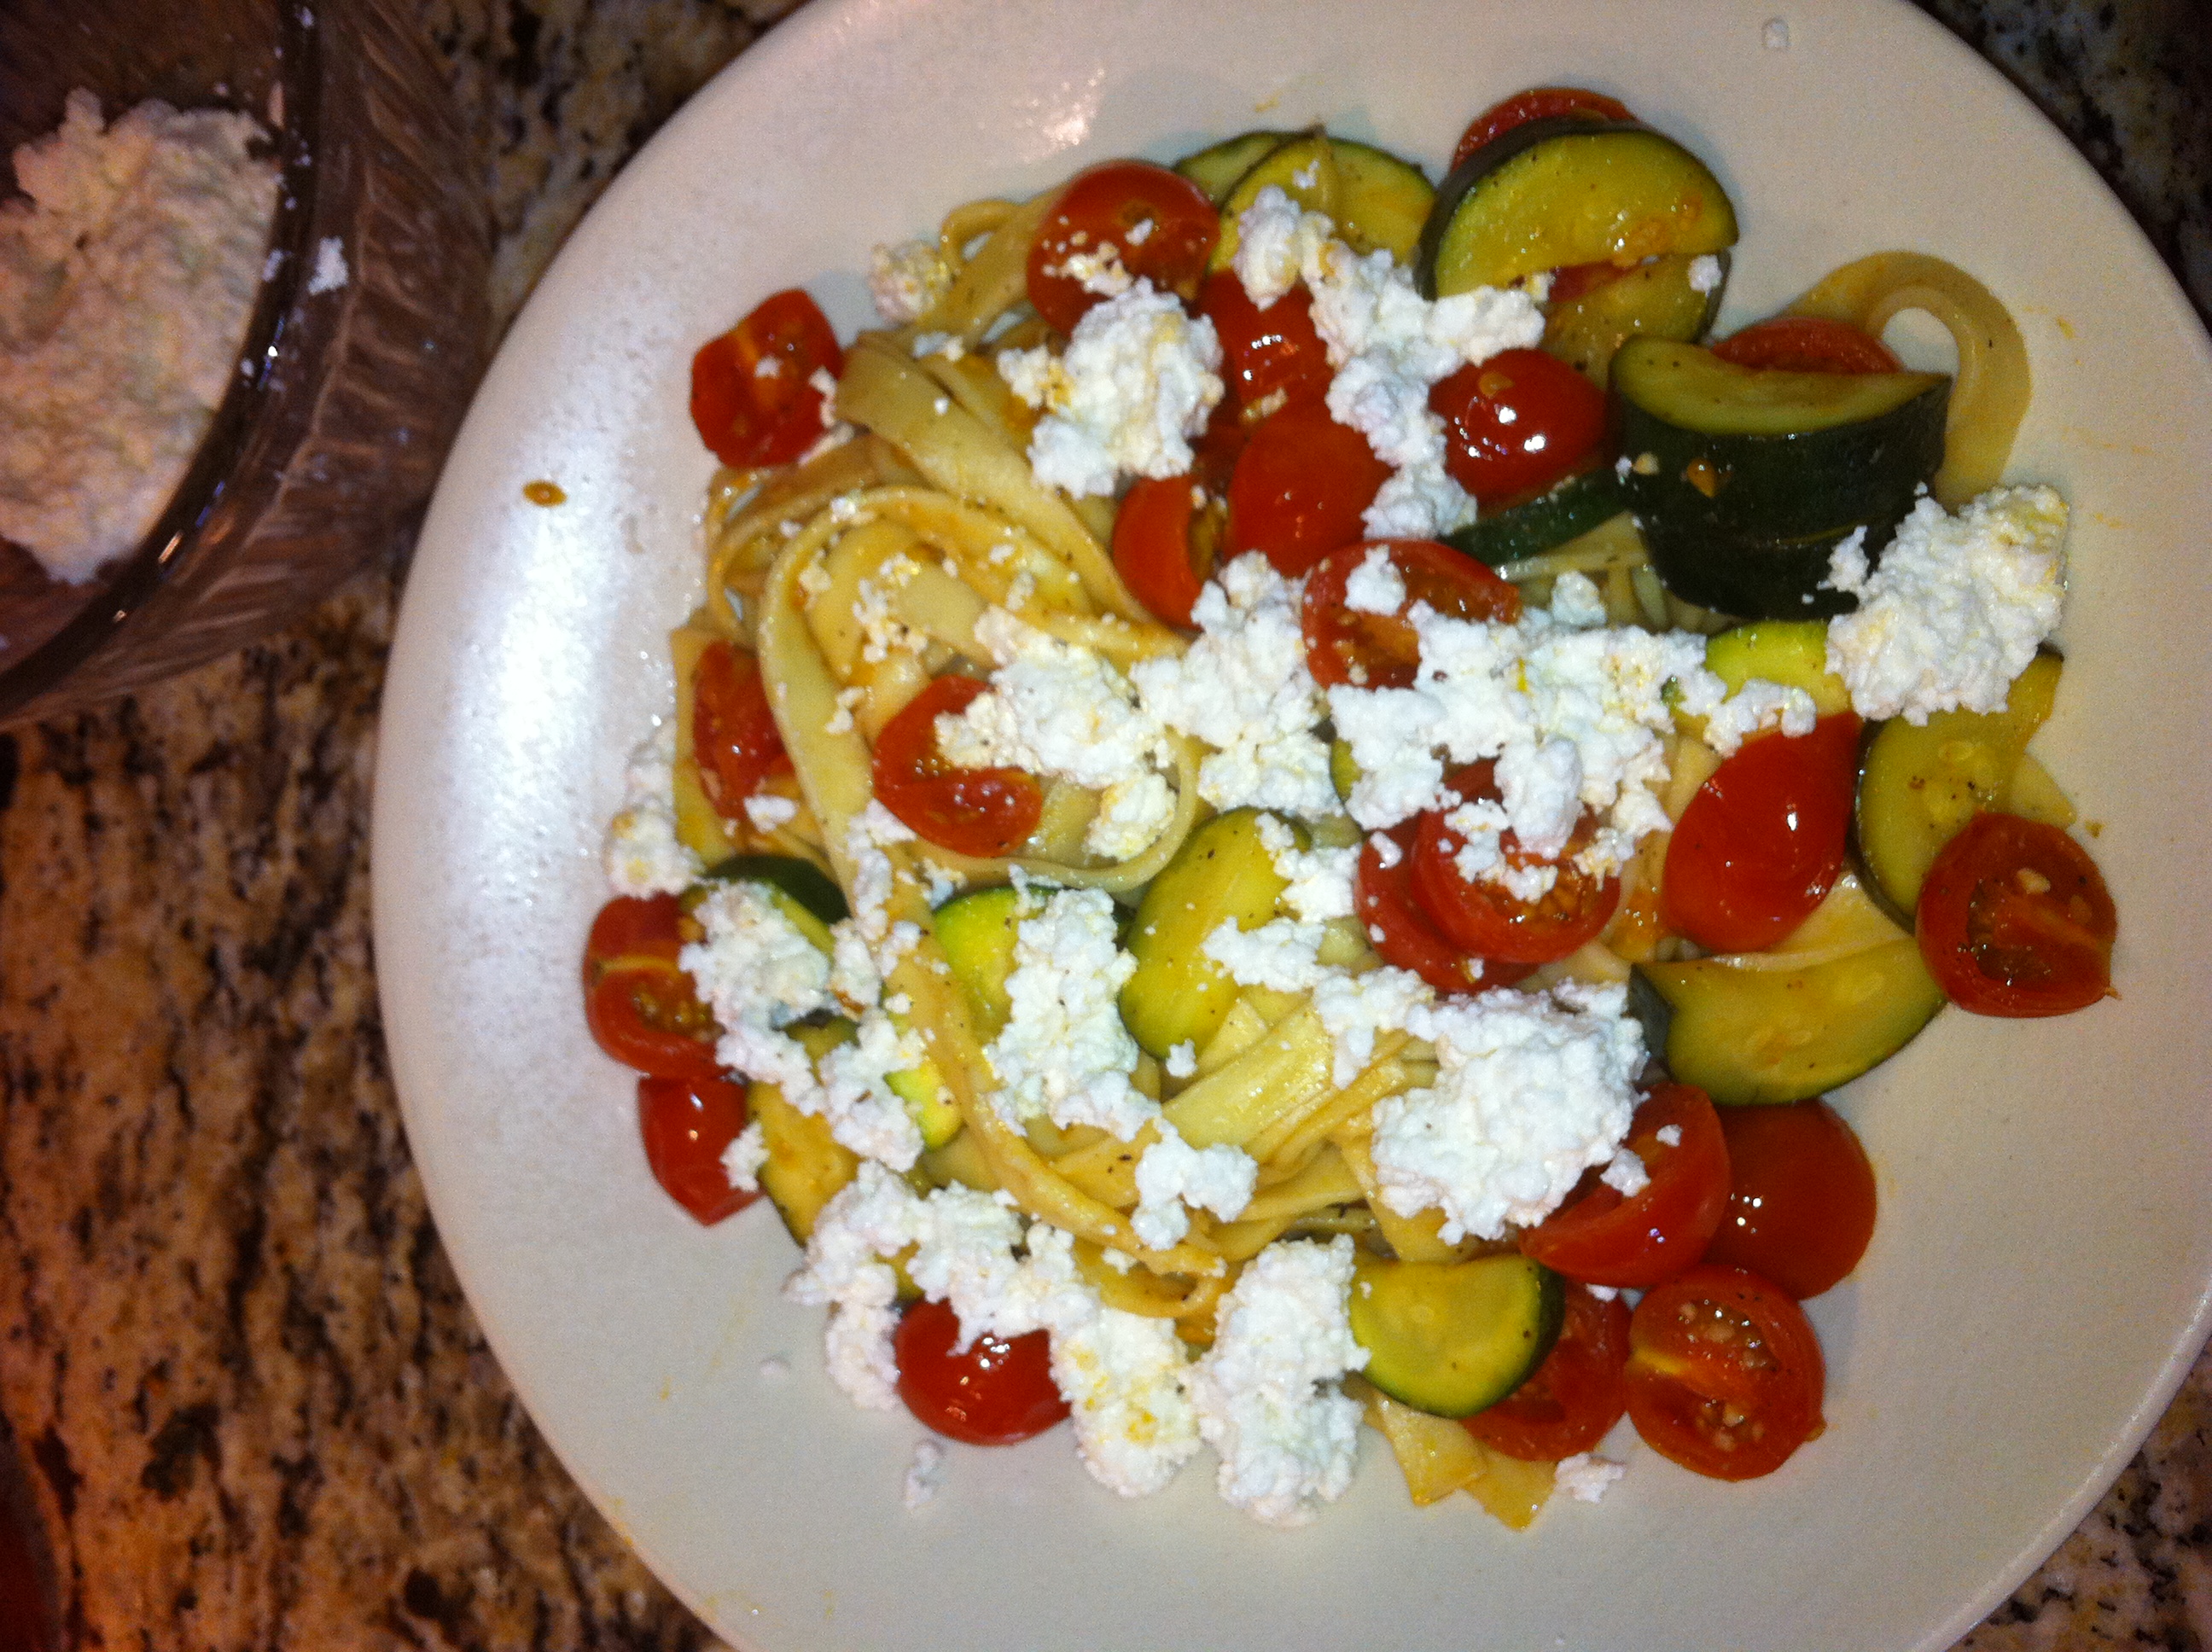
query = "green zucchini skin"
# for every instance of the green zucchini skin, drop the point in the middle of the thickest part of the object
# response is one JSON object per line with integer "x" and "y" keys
{"x": 1217, "y": 167}
{"x": 802, "y": 880}
{"x": 1223, "y": 873}
{"x": 1569, "y": 191}
{"x": 1573, "y": 508}
{"x": 1744, "y": 481}
{"x": 1452, "y": 1338}
{"x": 976, "y": 932}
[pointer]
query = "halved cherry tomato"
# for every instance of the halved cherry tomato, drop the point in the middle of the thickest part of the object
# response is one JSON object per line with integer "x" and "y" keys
{"x": 1302, "y": 486}
{"x": 751, "y": 395}
{"x": 1724, "y": 1373}
{"x": 1801, "y": 1196}
{"x": 979, "y": 812}
{"x": 1487, "y": 919}
{"x": 1218, "y": 447}
{"x": 734, "y": 732}
{"x": 1108, "y": 205}
{"x": 1516, "y": 423}
{"x": 1381, "y": 651}
{"x": 1761, "y": 842}
{"x": 1602, "y": 1238}
{"x": 993, "y": 1391}
{"x": 639, "y": 1003}
{"x": 1537, "y": 103}
{"x": 2015, "y": 920}
{"x": 1155, "y": 549}
{"x": 686, "y": 1124}
{"x": 1266, "y": 353}
{"x": 1402, "y": 931}
{"x": 1572, "y": 280}
{"x": 1807, "y": 343}
{"x": 1573, "y": 1398}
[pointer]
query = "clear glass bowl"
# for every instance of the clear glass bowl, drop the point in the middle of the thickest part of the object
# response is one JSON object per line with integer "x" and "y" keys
{"x": 329, "y": 440}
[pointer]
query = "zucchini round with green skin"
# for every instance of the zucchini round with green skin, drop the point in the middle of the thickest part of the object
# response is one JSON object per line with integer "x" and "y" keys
{"x": 1793, "y": 654}
{"x": 1217, "y": 167}
{"x": 1653, "y": 301}
{"x": 1569, "y": 191}
{"x": 1224, "y": 873}
{"x": 801, "y": 881}
{"x": 1374, "y": 198}
{"x": 976, "y": 932}
{"x": 1451, "y": 1338}
{"x": 1570, "y": 510}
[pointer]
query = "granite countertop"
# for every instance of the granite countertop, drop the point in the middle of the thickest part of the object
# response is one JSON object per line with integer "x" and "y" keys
{"x": 252, "y": 1407}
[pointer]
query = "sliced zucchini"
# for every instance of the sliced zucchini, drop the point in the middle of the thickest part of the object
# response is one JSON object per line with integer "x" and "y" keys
{"x": 976, "y": 932}
{"x": 802, "y": 881}
{"x": 1919, "y": 787}
{"x": 1451, "y": 1338}
{"x": 1744, "y": 480}
{"x": 1653, "y": 301}
{"x": 1569, "y": 191}
{"x": 1303, "y": 167}
{"x": 1223, "y": 873}
{"x": 1375, "y": 199}
{"x": 1791, "y": 652}
{"x": 805, "y": 918}
{"x": 1570, "y": 510}
{"x": 805, "y": 1165}
{"x": 1217, "y": 167}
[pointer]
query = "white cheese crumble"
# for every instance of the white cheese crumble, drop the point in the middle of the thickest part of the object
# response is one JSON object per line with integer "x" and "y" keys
{"x": 743, "y": 1158}
{"x": 1956, "y": 608}
{"x": 1278, "y": 954}
{"x": 130, "y": 275}
{"x": 642, "y": 854}
{"x": 1182, "y": 1060}
{"x": 329, "y": 272}
{"x": 1064, "y": 1052}
{"x": 1704, "y": 273}
{"x": 1321, "y": 881}
{"x": 906, "y": 280}
{"x": 925, "y": 1475}
{"x": 1138, "y": 380}
{"x": 1531, "y": 1090}
{"x": 1173, "y": 1175}
{"x": 1376, "y": 586}
{"x": 1759, "y": 704}
{"x": 757, "y": 973}
{"x": 768, "y": 813}
{"x": 1584, "y": 1478}
{"x": 1355, "y": 1009}
{"x": 1267, "y": 1393}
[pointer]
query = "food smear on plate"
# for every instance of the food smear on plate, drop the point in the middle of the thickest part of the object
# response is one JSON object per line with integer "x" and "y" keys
{"x": 127, "y": 278}
{"x": 1275, "y": 773}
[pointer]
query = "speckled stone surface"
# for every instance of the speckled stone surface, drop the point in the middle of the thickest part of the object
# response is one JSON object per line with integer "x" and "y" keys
{"x": 252, "y": 1410}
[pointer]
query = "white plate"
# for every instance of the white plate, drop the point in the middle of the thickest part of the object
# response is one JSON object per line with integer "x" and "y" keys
{"x": 2037, "y": 1283}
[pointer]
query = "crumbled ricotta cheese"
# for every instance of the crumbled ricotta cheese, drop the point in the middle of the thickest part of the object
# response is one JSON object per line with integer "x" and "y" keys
{"x": 1064, "y": 1052}
{"x": 1956, "y": 608}
{"x": 1704, "y": 273}
{"x": 1376, "y": 586}
{"x": 757, "y": 973}
{"x": 1267, "y": 1393}
{"x": 642, "y": 854}
{"x": 1321, "y": 880}
{"x": 1584, "y": 1478}
{"x": 1182, "y": 1060}
{"x": 925, "y": 1475}
{"x": 907, "y": 281}
{"x": 1173, "y": 1174}
{"x": 1355, "y": 1009}
{"x": 864, "y": 1113}
{"x": 1759, "y": 704}
{"x": 743, "y": 1158}
{"x": 329, "y": 272}
{"x": 1139, "y": 379}
{"x": 130, "y": 276}
{"x": 1122, "y": 1374}
{"x": 1278, "y": 954}
{"x": 1531, "y": 1090}
{"x": 768, "y": 813}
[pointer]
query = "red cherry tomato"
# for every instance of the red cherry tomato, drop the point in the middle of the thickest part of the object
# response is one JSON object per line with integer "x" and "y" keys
{"x": 1108, "y": 205}
{"x": 1488, "y": 920}
{"x": 1602, "y": 1238}
{"x": 1400, "y": 930}
{"x": 751, "y": 398}
{"x": 1761, "y": 842}
{"x": 978, "y": 811}
{"x": 1270, "y": 352}
{"x": 1302, "y": 486}
{"x": 2015, "y": 920}
{"x": 1724, "y": 1373}
{"x": 1219, "y": 446}
{"x": 1153, "y": 545}
{"x": 1807, "y": 343}
{"x": 1537, "y": 103}
{"x": 1516, "y": 423}
{"x": 1572, "y": 1399}
{"x": 686, "y": 1124}
{"x": 1572, "y": 280}
{"x": 995, "y": 1392}
{"x": 734, "y": 732}
{"x": 1801, "y": 1196}
{"x": 640, "y": 1004}
{"x": 1380, "y": 651}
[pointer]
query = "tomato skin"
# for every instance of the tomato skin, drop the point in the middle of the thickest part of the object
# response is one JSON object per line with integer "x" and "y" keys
{"x": 1724, "y": 1373}
{"x": 1152, "y": 549}
{"x": 1761, "y": 843}
{"x": 1572, "y": 1401}
{"x": 1516, "y": 423}
{"x": 995, "y": 1392}
{"x": 1381, "y": 651}
{"x": 1537, "y": 103}
{"x": 978, "y": 811}
{"x": 640, "y": 1004}
{"x": 734, "y": 732}
{"x": 2015, "y": 920}
{"x": 686, "y": 1123}
{"x": 750, "y": 419}
{"x": 1603, "y": 1238}
{"x": 1801, "y": 1205}
{"x": 1301, "y": 487}
{"x": 1266, "y": 352}
{"x": 1099, "y": 208}
{"x": 1807, "y": 343}
{"x": 1401, "y": 931}
{"x": 1487, "y": 919}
